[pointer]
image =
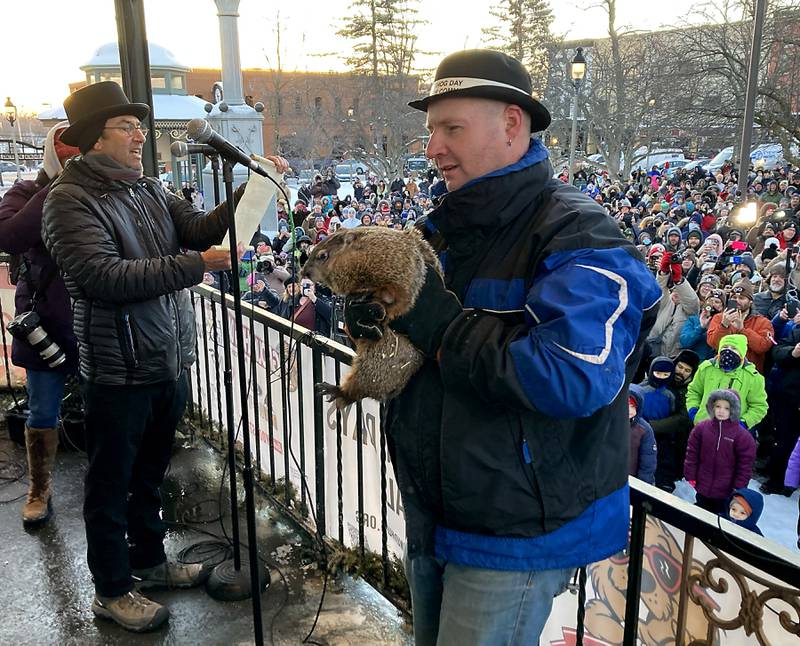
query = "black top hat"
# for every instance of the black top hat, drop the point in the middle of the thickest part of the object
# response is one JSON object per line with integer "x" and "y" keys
{"x": 94, "y": 104}
{"x": 486, "y": 74}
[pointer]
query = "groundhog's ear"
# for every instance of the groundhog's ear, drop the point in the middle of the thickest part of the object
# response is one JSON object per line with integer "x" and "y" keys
{"x": 348, "y": 237}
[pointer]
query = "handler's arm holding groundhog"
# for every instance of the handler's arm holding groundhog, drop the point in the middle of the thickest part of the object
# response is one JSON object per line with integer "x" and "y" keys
{"x": 564, "y": 355}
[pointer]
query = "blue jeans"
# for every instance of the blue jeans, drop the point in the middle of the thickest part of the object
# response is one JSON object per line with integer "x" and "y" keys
{"x": 45, "y": 392}
{"x": 457, "y": 605}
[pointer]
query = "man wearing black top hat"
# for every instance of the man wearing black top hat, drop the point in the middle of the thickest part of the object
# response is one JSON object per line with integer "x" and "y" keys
{"x": 510, "y": 444}
{"x": 119, "y": 238}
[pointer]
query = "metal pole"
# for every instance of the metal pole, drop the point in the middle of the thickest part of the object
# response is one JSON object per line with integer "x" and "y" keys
{"x": 134, "y": 60}
{"x": 14, "y": 144}
{"x": 573, "y": 140}
{"x": 750, "y": 96}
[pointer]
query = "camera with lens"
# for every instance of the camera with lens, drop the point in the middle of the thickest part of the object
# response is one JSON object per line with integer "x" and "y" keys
{"x": 27, "y": 328}
{"x": 265, "y": 264}
{"x": 675, "y": 258}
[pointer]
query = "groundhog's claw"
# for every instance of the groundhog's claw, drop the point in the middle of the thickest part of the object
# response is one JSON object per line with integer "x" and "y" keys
{"x": 327, "y": 390}
{"x": 333, "y": 394}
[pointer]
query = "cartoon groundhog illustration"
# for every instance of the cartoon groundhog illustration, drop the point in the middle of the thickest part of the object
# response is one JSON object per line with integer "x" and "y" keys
{"x": 661, "y": 578}
{"x": 375, "y": 264}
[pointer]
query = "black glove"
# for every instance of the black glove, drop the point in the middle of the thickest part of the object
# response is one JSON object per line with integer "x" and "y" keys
{"x": 436, "y": 308}
{"x": 363, "y": 317}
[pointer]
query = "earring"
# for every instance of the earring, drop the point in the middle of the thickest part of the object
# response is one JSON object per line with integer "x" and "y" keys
{"x": 508, "y": 143}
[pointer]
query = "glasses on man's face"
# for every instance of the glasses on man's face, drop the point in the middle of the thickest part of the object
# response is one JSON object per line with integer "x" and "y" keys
{"x": 129, "y": 129}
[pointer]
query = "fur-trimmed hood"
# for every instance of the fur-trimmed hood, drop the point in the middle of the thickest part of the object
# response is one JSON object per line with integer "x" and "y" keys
{"x": 730, "y": 396}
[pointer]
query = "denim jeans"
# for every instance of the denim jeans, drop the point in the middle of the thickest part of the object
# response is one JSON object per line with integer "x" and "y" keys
{"x": 457, "y": 605}
{"x": 45, "y": 392}
{"x": 129, "y": 436}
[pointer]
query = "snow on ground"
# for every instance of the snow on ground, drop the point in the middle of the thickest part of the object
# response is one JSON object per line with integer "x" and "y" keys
{"x": 778, "y": 521}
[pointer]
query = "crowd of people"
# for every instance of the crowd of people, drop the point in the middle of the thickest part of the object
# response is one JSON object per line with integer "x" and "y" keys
{"x": 718, "y": 400}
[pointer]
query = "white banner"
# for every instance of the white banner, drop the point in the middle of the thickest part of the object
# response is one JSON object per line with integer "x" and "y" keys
{"x": 286, "y": 427}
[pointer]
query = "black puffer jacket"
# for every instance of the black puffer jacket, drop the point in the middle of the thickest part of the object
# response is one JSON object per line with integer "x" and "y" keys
{"x": 119, "y": 246}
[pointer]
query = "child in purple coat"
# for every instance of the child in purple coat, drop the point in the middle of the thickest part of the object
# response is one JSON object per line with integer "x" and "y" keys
{"x": 720, "y": 453}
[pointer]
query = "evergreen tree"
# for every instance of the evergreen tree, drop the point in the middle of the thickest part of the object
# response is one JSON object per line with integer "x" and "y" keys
{"x": 524, "y": 33}
{"x": 384, "y": 47}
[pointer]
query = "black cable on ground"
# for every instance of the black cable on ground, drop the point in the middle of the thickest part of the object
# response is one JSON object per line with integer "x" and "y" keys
{"x": 12, "y": 471}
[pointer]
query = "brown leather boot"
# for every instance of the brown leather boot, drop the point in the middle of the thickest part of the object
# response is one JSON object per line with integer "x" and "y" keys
{"x": 41, "y": 444}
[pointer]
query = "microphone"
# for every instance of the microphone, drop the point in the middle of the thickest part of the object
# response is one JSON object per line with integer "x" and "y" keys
{"x": 202, "y": 132}
{"x": 182, "y": 149}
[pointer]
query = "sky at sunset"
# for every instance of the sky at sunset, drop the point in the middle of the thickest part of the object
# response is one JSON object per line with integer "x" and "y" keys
{"x": 45, "y": 42}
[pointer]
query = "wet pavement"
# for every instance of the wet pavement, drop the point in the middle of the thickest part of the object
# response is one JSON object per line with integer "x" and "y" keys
{"x": 46, "y": 590}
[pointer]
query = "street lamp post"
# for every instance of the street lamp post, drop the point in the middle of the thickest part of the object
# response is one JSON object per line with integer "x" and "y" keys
{"x": 750, "y": 95}
{"x": 650, "y": 104}
{"x": 11, "y": 116}
{"x": 577, "y": 72}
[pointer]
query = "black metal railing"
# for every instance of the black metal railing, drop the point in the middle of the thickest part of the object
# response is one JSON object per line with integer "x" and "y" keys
{"x": 303, "y": 446}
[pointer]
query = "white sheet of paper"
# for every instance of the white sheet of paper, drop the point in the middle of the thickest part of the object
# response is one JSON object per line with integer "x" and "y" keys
{"x": 253, "y": 205}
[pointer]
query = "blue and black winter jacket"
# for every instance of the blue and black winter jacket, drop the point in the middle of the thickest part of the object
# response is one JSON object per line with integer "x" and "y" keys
{"x": 516, "y": 445}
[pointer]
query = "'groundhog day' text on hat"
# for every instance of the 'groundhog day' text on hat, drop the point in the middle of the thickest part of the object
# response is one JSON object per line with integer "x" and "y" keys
{"x": 486, "y": 74}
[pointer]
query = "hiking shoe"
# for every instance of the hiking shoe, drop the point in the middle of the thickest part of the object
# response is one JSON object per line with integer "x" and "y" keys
{"x": 132, "y": 611}
{"x": 171, "y": 575}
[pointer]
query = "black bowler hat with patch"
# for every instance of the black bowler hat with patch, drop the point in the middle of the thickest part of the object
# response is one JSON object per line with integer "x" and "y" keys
{"x": 486, "y": 74}
{"x": 90, "y": 107}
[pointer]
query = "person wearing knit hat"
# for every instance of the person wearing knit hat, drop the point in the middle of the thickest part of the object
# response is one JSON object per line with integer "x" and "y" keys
{"x": 654, "y": 254}
{"x": 720, "y": 453}
{"x": 686, "y": 363}
{"x": 672, "y": 431}
{"x": 740, "y": 317}
{"x": 746, "y": 265}
{"x": 21, "y": 233}
{"x": 771, "y": 249}
{"x": 659, "y": 402}
{"x": 770, "y": 302}
{"x": 789, "y": 233}
{"x": 694, "y": 238}
{"x": 130, "y": 251}
{"x": 711, "y": 279}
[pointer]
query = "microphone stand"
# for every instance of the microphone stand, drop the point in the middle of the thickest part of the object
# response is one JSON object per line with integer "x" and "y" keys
{"x": 228, "y": 581}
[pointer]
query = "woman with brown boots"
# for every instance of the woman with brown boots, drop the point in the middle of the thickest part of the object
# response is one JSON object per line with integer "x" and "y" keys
{"x": 41, "y": 300}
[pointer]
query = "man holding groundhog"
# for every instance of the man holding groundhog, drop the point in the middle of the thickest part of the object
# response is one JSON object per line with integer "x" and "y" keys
{"x": 511, "y": 442}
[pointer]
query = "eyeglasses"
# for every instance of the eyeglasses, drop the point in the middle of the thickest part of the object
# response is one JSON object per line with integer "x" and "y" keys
{"x": 129, "y": 129}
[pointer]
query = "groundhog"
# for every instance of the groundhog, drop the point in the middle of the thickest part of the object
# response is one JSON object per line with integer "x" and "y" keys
{"x": 381, "y": 264}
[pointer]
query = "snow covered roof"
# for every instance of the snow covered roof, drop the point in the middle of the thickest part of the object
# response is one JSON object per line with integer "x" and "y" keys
{"x": 166, "y": 107}
{"x": 108, "y": 56}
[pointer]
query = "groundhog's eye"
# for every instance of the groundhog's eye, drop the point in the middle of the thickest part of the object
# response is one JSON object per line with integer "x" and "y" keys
{"x": 322, "y": 255}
